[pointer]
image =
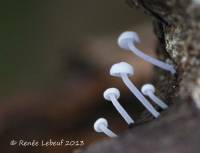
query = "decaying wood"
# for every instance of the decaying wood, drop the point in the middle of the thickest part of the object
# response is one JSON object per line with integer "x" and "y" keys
{"x": 177, "y": 27}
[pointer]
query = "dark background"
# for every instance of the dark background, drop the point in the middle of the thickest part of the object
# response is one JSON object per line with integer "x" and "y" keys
{"x": 54, "y": 61}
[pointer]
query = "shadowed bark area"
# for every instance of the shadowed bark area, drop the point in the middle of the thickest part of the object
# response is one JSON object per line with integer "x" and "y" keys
{"x": 177, "y": 27}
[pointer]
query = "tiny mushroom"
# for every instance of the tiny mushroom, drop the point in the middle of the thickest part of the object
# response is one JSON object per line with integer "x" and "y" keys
{"x": 101, "y": 125}
{"x": 124, "y": 70}
{"x": 127, "y": 41}
{"x": 112, "y": 94}
{"x": 149, "y": 90}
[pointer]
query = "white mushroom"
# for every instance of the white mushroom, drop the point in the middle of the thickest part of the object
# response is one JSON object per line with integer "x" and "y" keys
{"x": 112, "y": 94}
{"x": 124, "y": 70}
{"x": 127, "y": 41}
{"x": 101, "y": 126}
{"x": 149, "y": 90}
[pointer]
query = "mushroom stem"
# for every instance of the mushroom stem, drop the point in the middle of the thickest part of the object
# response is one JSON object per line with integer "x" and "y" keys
{"x": 158, "y": 101}
{"x": 137, "y": 93}
{"x": 108, "y": 132}
{"x": 150, "y": 59}
{"x": 121, "y": 110}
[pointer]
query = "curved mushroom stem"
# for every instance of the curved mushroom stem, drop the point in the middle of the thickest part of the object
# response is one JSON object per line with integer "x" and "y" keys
{"x": 139, "y": 96}
{"x": 151, "y": 60}
{"x": 158, "y": 101}
{"x": 108, "y": 132}
{"x": 121, "y": 110}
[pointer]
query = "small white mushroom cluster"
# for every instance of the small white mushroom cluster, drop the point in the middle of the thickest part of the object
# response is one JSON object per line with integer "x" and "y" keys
{"x": 124, "y": 70}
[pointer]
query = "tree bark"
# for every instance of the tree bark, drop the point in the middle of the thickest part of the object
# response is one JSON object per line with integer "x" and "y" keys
{"x": 177, "y": 27}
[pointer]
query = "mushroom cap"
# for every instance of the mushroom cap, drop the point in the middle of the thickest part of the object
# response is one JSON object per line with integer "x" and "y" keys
{"x": 128, "y": 36}
{"x": 121, "y": 68}
{"x": 111, "y": 91}
{"x": 98, "y": 123}
{"x": 146, "y": 88}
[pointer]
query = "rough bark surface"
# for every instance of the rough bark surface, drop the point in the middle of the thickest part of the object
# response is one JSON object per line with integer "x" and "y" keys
{"x": 177, "y": 27}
